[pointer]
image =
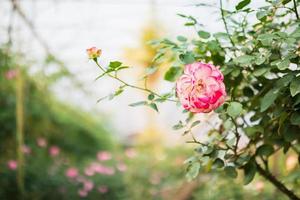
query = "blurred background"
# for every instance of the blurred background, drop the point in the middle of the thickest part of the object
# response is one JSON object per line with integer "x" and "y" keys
{"x": 57, "y": 142}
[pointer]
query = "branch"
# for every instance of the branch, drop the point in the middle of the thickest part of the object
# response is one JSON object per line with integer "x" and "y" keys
{"x": 295, "y": 9}
{"x": 267, "y": 175}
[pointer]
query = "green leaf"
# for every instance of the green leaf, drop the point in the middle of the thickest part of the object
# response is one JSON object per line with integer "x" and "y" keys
{"x": 218, "y": 163}
{"x": 195, "y": 123}
{"x": 151, "y": 70}
{"x": 187, "y": 58}
{"x": 114, "y": 64}
{"x": 193, "y": 171}
{"x": 249, "y": 172}
{"x": 138, "y": 103}
{"x": 204, "y": 34}
{"x": 284, "y": 64}
{"x": 260, "y": 71}
{"x": 268, "y": 99}
{"x": 153, "y": 106}
{"x": 230, "y": 171}
{"x": 295, "y": 118}
{"x": 295, "y": 86}
{"x": 178, "y": 126}
{"x": 244, "y": 59}
{"x": 265, "y": 150}
{"x": 261, "y": 14}
{"x": 173, "y": 73}
{"x": 253, "y": 131}
{"x": 234, "y": 109}
{"x": 151, "y": 96}
{"x": 181, "y": 38}
{"x": 242, "y": 4}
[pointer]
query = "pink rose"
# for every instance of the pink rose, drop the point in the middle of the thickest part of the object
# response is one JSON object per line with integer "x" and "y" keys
{"x": 103, "y": 155}
{"x": 201, "y": 89}
{"x": 72, "y": 172}
{"x": 12, "y": 164}
{"x": 41, "y": 142}
{"x": 54, "y": 151}
{"x": 82, "y": 193}
{"x": 130, "y": 153}
{"x": 88, "y": 185}
{"x": 10, "y": 74}
{"x": 93, "y": 52}
{"x": 103, "y": 189}
{"x": 121, "y": 167}
{"x": 26, "y": 149}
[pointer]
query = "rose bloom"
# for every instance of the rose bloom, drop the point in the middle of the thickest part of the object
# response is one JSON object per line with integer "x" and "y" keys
{"x": 12, "y": 164}
{"x": 26, "y": 149}
{"x": 201, "y": 89}
{"x": 93, "y": 52}
{"x": 54, "y": 151}
{"x": 72, "y": 172}
{"x": 82, "y": 193}
{"x": 10, "y": 74}
{"x": 291, "y": 162}
{"x": 103, "y": 155}
{"x": 130, "y": 153}
{"x": 103, "y": 189}
{"x": 41, "y": 142}
{"x": 122, "y": 167}
{"x": 259, "y": 186}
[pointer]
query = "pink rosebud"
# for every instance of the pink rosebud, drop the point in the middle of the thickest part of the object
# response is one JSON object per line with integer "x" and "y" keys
{"x": 10, "y": 74}
{"x": 121, "y": 167}
{"x": 54, "y": 151}
{"x": 201, "y": 88}
{"x": 130, "y": 153}
{"x": 82, "y": 193}
{"x": 93, "y": 52}
{"x": 41, "y": 142}
{"x": 103, "y": 155}
{"x": 12, "y": 164}
{"x": 72, "y": 172}
{"x": 103, "y": 189}
{"x": 26, "y": 149}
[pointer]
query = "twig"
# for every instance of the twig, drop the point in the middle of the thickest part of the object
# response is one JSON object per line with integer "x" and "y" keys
{"x": 133, "y": 86}
{"x": 225, "y": 23}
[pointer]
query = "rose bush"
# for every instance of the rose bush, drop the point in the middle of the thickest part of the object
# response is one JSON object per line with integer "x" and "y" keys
{"x": 258, "y": 53}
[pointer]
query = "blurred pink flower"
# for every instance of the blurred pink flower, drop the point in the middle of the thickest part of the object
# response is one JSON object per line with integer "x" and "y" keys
{"x": 130, "y": 153}
{"x": 259, "y": 186}
{"x": 103, "y": 189}
{"x": 89, "y": 171}
{"x": 201, "y": 88}
{"x": 10, "y": 74}
{"x": 103, "y": 155}
{"x": 82, "y": 193}
{"x": 54, "y": 151}
{"x": 26, "y": 149}
{"x": 12, "y": 164}
{"x": 72, "y": 172}
{"x": 121, "y": 167}
{"x": 41, "y": 142}
{"x": 88, "y": 185}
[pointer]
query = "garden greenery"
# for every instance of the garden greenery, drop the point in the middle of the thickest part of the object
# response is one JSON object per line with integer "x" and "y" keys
{"x": 258, "y": 54}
